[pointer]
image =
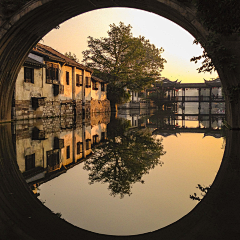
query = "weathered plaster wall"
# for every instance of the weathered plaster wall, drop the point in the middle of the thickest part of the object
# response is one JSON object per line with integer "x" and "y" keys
{"x": 100, "y": 105}
{"x": 98, "y": 94}
{"x": 79, "y": 89}
{"x": 67, "y": 88}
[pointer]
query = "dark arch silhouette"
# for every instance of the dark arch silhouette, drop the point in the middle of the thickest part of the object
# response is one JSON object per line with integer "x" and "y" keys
{"x": 22, "y": 216}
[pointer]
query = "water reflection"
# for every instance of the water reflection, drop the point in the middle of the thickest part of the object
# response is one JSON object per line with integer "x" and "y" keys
{"x": 124, "y": 158}
{"x": 46, "y": 148}
{"x": 119, "y": 153}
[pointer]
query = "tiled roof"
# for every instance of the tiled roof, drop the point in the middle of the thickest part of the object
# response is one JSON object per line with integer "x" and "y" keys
{"x": 98, "y": 79}
{"x": 52, "y": 54}
{"x": 30, "y": 61}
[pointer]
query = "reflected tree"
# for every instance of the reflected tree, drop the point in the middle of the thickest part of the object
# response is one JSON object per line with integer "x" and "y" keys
{"x": 123, "y": 160}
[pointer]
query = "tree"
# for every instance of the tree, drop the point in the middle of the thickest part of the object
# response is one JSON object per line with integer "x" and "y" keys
{"x": 221, "y": 18}
{"x": 124, "y": 158}
{"x": 126, "y": 62}
{"x": 72, "y": 56}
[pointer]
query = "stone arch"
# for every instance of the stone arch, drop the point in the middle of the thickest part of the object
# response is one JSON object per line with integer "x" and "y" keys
{"x": 18, "y": 34}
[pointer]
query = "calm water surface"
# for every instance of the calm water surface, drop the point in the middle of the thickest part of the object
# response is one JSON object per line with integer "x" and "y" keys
{"x": 127, "y": 176}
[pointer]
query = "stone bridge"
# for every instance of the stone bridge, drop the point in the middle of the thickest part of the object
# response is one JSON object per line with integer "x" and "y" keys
{"x": 21, "y": 215}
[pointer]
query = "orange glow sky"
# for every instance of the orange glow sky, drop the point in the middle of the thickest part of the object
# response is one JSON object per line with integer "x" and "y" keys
{"x": 177, "y": 43}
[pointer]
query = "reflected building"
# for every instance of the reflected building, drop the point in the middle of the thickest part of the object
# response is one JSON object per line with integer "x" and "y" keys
{"x": 46, "y": 148}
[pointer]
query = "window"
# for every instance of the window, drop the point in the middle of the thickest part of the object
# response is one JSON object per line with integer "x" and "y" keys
{"x": 79, "y": 80}
{"x": 28, "y": 75}
{"x": 88, "y": 144}
{"x": 103, "y": 136}
{"x": 30, "y": 162}
{"x": 58, "y": 143}
{"x": 102, "y": 87}
{"x": 67, "y": 78}
{"x": 79, "y": 147}
{"x": 61, "y": 89}
{"x": 95, "y": 85}
{"x": 88, "y": 82}
{"x": 68, "y": 152}
{"x": 38, "y": 134}
{"x": 52, "y": 73}
{"x": 95, "y": 139}
{"x": 53, "y": 159}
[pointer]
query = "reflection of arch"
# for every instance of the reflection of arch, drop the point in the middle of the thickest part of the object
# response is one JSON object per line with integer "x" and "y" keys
{"x": 23, "y": 215}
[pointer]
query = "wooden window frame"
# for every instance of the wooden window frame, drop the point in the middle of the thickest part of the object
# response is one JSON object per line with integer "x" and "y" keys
{"x": 88, "y": 82}
{"x": 53, "y": 159}
{"x": 52, "y": 73}
{"x": 30, "y": 162}
{"x": 79, "y": 79}
{"x": 28, "y": 71}
{"x": 95, "y": 85}
{"x": 88, "y": 144}
{"x": 79, "y": 148}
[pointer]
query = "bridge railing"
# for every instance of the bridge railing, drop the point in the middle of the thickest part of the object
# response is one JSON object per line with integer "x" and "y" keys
{"x": 193, "y": 99}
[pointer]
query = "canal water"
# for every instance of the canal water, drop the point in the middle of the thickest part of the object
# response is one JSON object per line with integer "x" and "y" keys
{"x": 127, "y": 174}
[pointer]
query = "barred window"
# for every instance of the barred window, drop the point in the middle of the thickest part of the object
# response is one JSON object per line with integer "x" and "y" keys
{"x": 88, "y": 82}
{"x": 79, "y": 79}
{"x": 53, "y": 159}
{"x": 28, "y": 75}
{"x": 95, "y": 85}
{"x": 52, "y": 72}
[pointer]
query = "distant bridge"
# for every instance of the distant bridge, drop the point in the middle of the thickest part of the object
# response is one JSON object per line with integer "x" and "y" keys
{"x": 168, "y": 91}
{"x": 192, "y": 99}
{"x": 217, "y": 133}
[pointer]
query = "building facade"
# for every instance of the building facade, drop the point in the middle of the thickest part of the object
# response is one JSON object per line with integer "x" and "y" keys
{"x": 48, "y": 147}
{"x": 50, "y": 84}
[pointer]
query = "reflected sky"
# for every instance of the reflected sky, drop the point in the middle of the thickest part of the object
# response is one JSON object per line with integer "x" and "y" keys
{"x": 190, "y": 159}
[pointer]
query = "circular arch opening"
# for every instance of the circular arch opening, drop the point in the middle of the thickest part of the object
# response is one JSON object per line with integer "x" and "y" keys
{"x": 28, "y": 26}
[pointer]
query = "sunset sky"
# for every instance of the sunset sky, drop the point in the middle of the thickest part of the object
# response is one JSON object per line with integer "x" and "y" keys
{"x": 177, "y": 42}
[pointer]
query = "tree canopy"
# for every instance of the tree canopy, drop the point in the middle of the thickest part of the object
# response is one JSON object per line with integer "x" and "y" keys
{"x": 71, "y": 56}
{"x": 123, "y": 60}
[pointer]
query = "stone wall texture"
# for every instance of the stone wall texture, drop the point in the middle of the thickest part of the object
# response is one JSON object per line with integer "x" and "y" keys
{"x": 100, "y": 106}
{"x": 23, "y": 109}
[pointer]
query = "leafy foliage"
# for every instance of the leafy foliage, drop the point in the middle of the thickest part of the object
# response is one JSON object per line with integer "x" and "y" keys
{"x": 217, "y": 52}
{"x": 219, "y": 17}
{"x": 123, "y": 159}
{"x": 204, "y": 191}
{"x": 123, "y": 60}
{"x": 207, "y": 64}
{"x": 72, "y": 56}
